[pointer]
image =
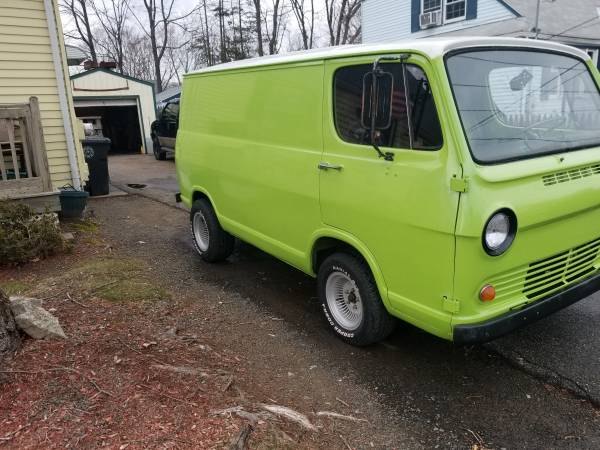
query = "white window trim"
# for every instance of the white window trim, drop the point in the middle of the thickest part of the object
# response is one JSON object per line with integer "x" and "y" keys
{"x": 423, "y": 6}
{"x": 456, "y": 19}
{"x": 443, "y": 9}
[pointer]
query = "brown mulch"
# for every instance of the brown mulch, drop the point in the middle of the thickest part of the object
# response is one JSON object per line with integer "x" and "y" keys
{"x": 126, "y": 378}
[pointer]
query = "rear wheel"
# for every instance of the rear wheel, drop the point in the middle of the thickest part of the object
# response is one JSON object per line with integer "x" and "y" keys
{"x": 158, "y": 153}
{"x": 351, "y": 302}
{"x": 210, "y": 240}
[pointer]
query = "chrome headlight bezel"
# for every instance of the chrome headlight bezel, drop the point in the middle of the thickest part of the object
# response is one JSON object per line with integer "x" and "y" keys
{"x": 511, "y": 219}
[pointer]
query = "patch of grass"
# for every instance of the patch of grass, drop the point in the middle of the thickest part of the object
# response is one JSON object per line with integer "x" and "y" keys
{"x": 109, "y": 267}
{"x": 14, "y": 287}
{"x": 87, "y": 225}
{"x": 117, "y": 279}
{"x": 132, "y": 290}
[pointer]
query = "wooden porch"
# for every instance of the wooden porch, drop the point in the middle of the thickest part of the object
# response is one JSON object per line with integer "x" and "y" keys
{"x": 24, "y": 173}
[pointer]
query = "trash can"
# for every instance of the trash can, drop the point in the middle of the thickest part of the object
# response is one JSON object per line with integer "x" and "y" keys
{"x": 95, "y": 150}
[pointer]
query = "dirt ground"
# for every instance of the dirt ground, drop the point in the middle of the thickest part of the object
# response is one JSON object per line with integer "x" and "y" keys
{"x": 152, "y": 362}
{"x": 165, "y": 351}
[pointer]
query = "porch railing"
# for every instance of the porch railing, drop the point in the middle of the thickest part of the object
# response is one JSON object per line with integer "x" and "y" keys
{"x": 23, "y": 160}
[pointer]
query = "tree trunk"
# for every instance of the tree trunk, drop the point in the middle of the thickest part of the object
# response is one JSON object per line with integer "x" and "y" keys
{"x": 10, "y": 338}
{"x": 88, "y": 31}
{"x": 258, "y": 18}
{"x": 209, "y": 58}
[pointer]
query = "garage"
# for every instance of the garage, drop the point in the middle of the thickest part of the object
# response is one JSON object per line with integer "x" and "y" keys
{"x": 116, "y": 106}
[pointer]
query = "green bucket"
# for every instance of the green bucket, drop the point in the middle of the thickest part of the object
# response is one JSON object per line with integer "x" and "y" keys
{"x": 72, "y": 202}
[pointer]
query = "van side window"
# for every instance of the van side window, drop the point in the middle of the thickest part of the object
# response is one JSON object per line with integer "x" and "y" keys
{"x": 426, "y": 130}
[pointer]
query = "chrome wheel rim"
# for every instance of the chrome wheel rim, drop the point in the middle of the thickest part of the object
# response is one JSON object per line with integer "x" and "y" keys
{"x": 343, "y": 300}
{"x": 201, "y": 234}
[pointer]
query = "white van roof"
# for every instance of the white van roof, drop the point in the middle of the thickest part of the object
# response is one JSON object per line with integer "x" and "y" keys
{"x": 432, "y": 47}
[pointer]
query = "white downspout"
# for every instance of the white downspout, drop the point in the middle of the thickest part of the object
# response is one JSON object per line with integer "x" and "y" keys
{"x": 62, "y": 93}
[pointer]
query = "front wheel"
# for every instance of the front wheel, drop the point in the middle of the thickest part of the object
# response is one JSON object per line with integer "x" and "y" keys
{"x": 158, "y": 153}
{"x": 351, "y": 302}
{"x": 210, "y": 240}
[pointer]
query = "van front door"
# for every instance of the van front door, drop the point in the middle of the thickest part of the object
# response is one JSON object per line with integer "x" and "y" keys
{"x": 402, "y": 211}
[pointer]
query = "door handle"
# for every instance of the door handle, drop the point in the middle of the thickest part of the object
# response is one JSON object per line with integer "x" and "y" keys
{"x": 328, "y": 166}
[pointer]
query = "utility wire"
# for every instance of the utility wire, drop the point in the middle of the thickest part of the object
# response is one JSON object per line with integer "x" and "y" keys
{"x": 585, "y": 22}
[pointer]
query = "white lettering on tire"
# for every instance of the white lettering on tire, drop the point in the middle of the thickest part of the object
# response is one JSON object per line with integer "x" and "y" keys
{"x": 333, "y": 324}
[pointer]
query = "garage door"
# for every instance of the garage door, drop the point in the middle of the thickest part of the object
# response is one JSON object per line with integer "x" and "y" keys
{"x": 107, "y": 102}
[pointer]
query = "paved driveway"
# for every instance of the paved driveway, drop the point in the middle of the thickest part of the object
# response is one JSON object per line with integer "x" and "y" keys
{"x": 144, "y": 175}
{"x": 563, "y": 349}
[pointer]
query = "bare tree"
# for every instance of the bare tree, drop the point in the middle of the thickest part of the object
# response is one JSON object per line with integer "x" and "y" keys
{"x": 77, "y": 11}
{"x": 277, "y": 29}
{"x": 222, "y": 14}
{"x": 112, "y": 15}
{"x": 183, "y": 53}
{"x": 138, "y": 61}
{"x": 343, "y": 21}
{"x": 305, "y": 20}
{"x": 206, "y": 31}
{"x": 258, "y": 27}
{"x": 160, "y": 20}
{"x": 242, "y": 41}
{"x": 152, "y": 40}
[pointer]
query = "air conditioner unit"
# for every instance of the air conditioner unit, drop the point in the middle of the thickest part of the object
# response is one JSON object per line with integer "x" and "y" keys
{"x": 430, "y": 19}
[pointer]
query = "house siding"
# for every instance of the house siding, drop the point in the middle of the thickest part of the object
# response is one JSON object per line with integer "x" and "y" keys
{"x": 388, "y": 20}
{"x": 27, "y": 69}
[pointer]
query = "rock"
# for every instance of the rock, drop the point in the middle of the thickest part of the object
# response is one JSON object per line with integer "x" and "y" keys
{"x": 34, "y": 320}
{"x": 20, "y": 305}
{"x": 68, "y": 236}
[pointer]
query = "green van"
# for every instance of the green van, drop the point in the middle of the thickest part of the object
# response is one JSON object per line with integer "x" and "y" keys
{"x": 451, "y": 183}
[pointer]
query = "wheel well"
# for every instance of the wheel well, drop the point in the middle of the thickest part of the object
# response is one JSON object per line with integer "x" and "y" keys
{"x": 197, "y": 195}
{"x": 326, "y": 246}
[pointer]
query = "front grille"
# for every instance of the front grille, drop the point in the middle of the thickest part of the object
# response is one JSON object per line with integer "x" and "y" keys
{"x": 571, "y": 175}
{"x": 544, "y": 277}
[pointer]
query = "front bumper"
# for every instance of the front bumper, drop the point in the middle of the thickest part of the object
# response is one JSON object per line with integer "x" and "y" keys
{"x": 499, "y": 326}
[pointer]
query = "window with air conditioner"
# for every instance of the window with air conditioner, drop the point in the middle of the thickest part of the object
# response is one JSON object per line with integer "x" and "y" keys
{"x": 439, "y": 12}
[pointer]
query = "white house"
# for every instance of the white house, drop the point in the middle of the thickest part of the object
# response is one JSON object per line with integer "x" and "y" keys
{"x": 571, "y": 22}
{"x": 120, "y": 107}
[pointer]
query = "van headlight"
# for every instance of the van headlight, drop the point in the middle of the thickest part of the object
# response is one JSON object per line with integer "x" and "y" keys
{"x": 499, "y": 232}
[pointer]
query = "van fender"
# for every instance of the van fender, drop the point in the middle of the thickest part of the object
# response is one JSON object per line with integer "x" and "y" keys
{"x": 200, "y": 190}
{"x": 362, "y": 249}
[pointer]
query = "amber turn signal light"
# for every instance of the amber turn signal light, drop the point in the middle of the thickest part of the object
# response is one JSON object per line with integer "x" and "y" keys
{"x": 487, "y": 293}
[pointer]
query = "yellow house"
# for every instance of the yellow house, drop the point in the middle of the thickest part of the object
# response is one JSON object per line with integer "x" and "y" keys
{"x": 40, "y": 149}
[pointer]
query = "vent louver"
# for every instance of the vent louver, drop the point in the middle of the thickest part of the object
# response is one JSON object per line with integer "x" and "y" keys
{"x": 544, "y": 277}
{"x": 571, "y": 175}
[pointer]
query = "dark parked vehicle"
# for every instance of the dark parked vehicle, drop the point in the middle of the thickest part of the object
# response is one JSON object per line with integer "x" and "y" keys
{"x": 164, "y": 130}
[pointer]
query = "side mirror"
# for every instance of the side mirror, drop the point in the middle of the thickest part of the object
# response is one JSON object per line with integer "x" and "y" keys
{"x": 378, "y": 88}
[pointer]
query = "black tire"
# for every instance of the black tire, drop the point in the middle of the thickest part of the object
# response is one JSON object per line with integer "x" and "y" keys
{"x": 220, "y": 243}
{"x": 376, "y": 323}
{"x": 158, "y": 153}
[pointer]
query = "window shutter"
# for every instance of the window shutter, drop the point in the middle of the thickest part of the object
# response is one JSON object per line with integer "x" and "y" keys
{"x": 471, "y": 9}
{"x": 415, "y": 12}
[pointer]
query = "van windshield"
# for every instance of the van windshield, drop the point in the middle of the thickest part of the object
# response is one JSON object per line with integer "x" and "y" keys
{"x": 517, "y": 104}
